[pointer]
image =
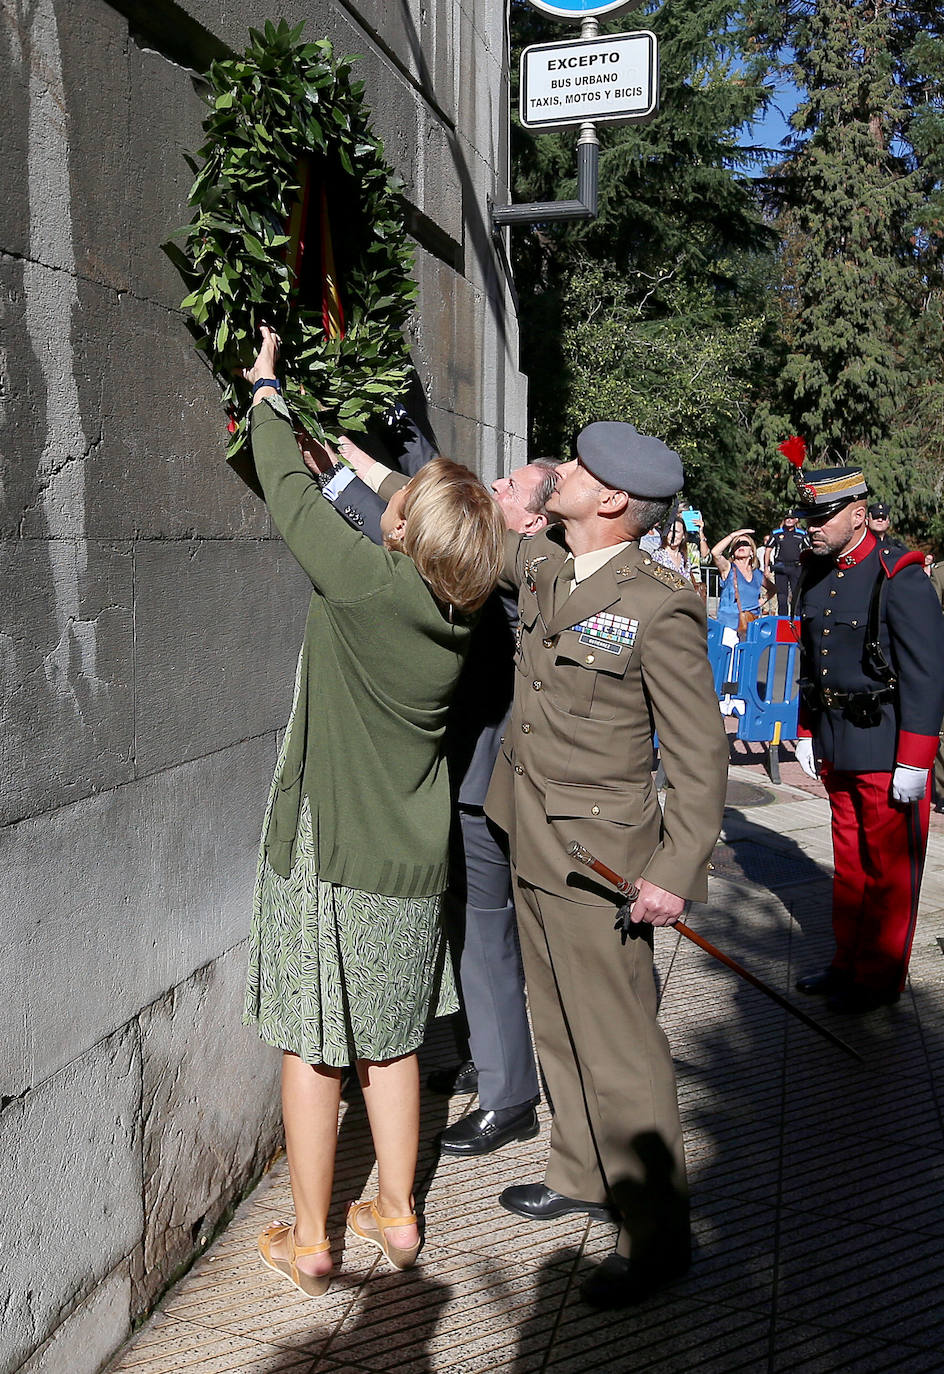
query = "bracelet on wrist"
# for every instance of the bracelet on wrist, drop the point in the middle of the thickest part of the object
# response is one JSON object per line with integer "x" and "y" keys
{"x": 266, "y": 381}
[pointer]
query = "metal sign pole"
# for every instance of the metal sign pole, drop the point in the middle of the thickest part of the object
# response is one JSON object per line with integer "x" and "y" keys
{"x": 583, "y": 83}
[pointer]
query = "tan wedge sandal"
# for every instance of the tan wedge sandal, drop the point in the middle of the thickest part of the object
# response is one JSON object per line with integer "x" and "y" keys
{"x": 365, "y": 1221}
{"x": 312, "y": 1285}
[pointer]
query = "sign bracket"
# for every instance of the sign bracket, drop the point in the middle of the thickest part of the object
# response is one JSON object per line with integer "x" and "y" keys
{"x": 588, "y": 177}
{"x": 584, "y": 207}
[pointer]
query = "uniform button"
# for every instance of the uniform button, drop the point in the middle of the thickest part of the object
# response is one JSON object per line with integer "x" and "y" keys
{"x": 827, "y": 613}
{"x": 646, "y": 562}
{"x": 537, "y": 684}
{"x": 833, "y": 592}
{"x": 824, "y": 651}
{"x": 525, "y": 728}
{"x": 855, "y": 622}
{"x": 548, "y": 643}
{"x": 840, "y": 574}
{"x": 518, "y": 769}
{"x": 594, "y": 810}
{"x": 826, "y": 632}
{"x": 590, "y": 658}
{"x": 825, "y": 671}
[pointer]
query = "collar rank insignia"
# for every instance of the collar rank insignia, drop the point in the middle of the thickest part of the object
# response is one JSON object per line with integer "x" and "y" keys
{"x": 529, "y": 568}
{"x": 612, "y": 633}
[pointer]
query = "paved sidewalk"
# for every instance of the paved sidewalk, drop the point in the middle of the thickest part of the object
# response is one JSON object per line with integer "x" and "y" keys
{"x": 816, "y": 1182}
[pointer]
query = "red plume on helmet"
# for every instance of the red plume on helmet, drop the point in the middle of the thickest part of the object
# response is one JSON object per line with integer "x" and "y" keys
{"x": 794, "y": 448}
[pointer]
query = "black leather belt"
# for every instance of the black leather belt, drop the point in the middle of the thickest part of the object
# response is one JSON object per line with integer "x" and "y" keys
{"x": 852, "y": 704}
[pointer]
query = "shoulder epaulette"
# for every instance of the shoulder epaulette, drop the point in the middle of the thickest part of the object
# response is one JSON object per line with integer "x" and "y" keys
{"x": 665, "y": 575}
{"x": 907, "y": 559}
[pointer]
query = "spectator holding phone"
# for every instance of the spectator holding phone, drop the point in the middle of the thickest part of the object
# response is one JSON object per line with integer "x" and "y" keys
{"x": 672, "y": 550}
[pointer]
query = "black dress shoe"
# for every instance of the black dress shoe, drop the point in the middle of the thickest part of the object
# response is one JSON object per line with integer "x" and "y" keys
{"x": 619, "y": 1282}
{"x": 461, "y": 1078}
{"x": 823, "y": 984}
{"x": 482, "y": 1131}
{"x": 854, "y": 1000}
{"x": 539, "y": 1203}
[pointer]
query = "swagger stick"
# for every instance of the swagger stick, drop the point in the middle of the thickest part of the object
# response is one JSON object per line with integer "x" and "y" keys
{"x": 577, "y": 851}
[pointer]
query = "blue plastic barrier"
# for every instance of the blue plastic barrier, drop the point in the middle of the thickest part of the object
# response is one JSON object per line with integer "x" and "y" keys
{"x": 764, "y": 669}
{"x": 720, "y": 658}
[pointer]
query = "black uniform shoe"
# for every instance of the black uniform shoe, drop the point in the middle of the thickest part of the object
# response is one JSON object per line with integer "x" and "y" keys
{"x": 854, "y": 1000}
{"x": 823, "y": 984}
{"x": 482, "y": 1131}
{"x": 619, "y": 1282}
{"x": 539, "y": 1203}
{"x": 461, "y": 1078}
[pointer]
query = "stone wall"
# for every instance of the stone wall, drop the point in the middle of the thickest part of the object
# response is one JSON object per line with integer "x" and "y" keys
{"x": 151, "y": 620}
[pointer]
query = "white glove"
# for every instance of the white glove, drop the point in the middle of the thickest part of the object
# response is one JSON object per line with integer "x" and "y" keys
{"x": 909, "y": 784}
{"x": 804, "y": 756}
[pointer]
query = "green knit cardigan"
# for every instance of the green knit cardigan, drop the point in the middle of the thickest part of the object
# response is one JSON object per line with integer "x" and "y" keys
{"x": 378, "y": 666}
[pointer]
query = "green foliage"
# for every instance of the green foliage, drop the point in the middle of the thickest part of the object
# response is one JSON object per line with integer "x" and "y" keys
{"x": 682, "y": 371}
{"x": 281, "y": 100}
{"x": 860, "y": 210}
{"x": 661, "y": 310}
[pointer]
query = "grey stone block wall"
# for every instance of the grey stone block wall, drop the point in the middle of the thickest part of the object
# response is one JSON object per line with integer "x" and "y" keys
{"x": 150, "y": 622}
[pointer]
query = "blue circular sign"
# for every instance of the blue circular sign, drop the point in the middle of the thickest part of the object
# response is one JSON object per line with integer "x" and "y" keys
{"x": 583, "y": 9}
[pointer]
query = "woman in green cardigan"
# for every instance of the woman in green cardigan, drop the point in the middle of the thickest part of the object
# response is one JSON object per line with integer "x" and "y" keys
{"x": 347, "y": 958}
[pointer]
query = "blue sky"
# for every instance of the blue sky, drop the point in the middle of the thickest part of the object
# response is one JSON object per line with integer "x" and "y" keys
{"x": 770, "y": 131}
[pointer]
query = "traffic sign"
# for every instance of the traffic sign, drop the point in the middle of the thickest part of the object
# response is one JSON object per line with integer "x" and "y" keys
{"x": 584, "y": 9}
{"x": 613, "y": 79}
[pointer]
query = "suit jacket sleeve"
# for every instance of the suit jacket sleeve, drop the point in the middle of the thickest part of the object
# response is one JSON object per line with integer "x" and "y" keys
{"x": 692, "y": 744}
{"x": 361, "y": 508}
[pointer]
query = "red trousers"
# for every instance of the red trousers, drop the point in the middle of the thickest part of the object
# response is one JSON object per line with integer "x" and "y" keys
{"x": 878, "y": 853}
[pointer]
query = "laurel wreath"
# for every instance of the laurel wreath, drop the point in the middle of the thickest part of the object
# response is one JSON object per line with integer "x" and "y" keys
{"x": 280, "y": 101}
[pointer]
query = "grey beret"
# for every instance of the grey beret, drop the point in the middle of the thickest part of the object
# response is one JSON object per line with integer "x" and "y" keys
{"x": 622, "y": 458}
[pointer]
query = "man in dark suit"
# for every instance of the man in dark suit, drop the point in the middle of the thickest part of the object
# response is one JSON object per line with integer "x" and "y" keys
{"x": 482, "y": 913}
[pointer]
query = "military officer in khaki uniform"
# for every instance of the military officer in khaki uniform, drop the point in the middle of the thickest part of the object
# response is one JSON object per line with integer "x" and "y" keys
{"x": 611, "y": 647}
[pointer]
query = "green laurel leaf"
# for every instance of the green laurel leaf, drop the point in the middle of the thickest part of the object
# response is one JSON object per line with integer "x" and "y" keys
{"x": 260, "y": 129}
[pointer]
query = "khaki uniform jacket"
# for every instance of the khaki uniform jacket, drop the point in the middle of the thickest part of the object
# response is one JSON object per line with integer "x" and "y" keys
{"x": 575, "y": 762}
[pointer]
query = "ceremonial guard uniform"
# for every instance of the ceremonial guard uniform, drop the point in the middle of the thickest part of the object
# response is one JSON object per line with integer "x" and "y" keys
{"x": 598, "y": 669}
{"x": 937, "y": 582}
{"x": 872, "y": 694}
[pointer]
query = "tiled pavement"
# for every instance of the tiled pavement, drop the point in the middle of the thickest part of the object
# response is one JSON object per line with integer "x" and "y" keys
{"x": 816, "y": 1182}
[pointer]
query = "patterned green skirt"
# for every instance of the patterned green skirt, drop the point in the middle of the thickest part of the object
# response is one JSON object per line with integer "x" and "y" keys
{"x": 336, "y": 974}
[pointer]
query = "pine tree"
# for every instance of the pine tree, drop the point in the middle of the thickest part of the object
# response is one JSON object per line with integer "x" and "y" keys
{"x": 658, "y": 297}
{"x": 861, "y": 214}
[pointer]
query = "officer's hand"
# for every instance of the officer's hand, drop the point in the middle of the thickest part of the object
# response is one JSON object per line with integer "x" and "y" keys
{"x": 655, "y": 906}
{"x": 909, "y": 784}
{"x": 805, "y": 757}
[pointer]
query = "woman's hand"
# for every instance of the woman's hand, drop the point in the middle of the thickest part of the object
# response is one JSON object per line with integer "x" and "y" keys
{"x": 264, "y": 365}
{"x": 360, "y": 461}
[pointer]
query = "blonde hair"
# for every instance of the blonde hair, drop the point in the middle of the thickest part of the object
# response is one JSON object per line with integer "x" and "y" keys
{"x": 454, "y": 533}
{"x": 746, "y": 539}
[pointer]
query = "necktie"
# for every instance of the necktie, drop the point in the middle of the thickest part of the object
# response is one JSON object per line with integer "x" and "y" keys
{"x": 564, "y": 584}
